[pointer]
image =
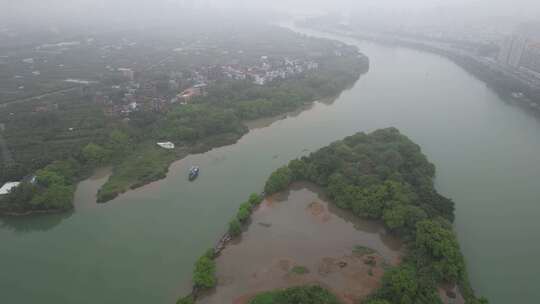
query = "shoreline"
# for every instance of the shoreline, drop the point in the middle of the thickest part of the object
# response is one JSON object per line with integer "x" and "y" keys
{"x": 222, "y": 141}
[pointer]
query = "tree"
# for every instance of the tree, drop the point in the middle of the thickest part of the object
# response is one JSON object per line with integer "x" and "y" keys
{"x": 298, "y": 169}
{"x": 396, "y": 216}
{"x": 279, "y": 180}
{"x": 235, "y": 228}
{"x": 56, "y": 196}
{"x": 244, "y": 212}
{"x": 119, "y": 141}
{"x": 255, "y": 199}
{"x": 441, "y": 245}
{"x": 204, "y": 273}
{"x": 377, "y": 301}
{"x": 400, "y": 216}
{"x": 400, "y": 285}
{"x": 95, "y": 154}
{"x": 47, "y": 178}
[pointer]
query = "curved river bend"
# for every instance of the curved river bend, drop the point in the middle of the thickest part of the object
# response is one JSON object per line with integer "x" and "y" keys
{"x": 140, "y": 248}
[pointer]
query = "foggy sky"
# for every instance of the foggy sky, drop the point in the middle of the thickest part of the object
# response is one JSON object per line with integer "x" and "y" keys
{"x": 147, "y": 11}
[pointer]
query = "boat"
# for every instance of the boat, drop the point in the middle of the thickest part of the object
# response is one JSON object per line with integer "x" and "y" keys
{"x": 166, "y": 145}
{"x": 193, "y": 172}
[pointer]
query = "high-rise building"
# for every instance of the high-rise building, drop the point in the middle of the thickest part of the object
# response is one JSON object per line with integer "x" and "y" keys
{"x": 512, "y": 50}
{"x": 531, "y": 58}
{"x": 505, "y": 49}
{"x": 518, "y": 46}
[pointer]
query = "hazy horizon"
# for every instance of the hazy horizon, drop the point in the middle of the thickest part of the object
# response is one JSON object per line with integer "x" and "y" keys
{"x": 137, "y": 12}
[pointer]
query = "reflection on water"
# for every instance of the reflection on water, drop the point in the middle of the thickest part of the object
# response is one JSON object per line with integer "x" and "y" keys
{"x": 300, "y": 228}
{"x": 38, "y": 222}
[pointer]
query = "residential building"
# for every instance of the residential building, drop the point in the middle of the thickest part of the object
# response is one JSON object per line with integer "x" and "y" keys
{"x": 512, "y": 50}
{"x": 8, "y": 187}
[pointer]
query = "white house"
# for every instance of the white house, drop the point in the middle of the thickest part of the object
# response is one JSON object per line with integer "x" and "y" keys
{"x": 7, "y": 187}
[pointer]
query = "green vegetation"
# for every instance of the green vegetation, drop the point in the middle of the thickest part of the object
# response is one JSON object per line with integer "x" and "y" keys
{"x": 73, "y": 126}
{"x": 384, "y": 175}
{"x": 52, "y": 190}
{"x": 296, "y": 295}
{"x": 204, "y": 274}
{"x": 186, "y": 300}
{"x": 278, "y": 181}
{"x": 299, "y": 270}
{"x": 362, "y": 250}
{"x": 145, "y": 165}
{"x": 243, "y": 214}
{"x": 235, "y": 228}
{"x": 255, "y": 199}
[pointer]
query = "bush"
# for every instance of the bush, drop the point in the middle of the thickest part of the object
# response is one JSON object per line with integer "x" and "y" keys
{"x": 204, "y": 274}
{"x": 279, "y": 180}
{"x": 442, "y": 247}
{"x": 255, "y": 199}
{"x": 400, "y": 285}
{"x": 186, "y": 300}
{"x": 244, "y": 212}
{"x": 299, "y": 270}
{"x": 235, "y": 228}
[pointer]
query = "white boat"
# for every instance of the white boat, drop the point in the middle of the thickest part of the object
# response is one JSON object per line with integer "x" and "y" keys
{"x": 166, "y": 145}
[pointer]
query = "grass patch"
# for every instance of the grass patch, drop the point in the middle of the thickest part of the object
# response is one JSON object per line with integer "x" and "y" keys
{"x": 142, "y": 167}
{"x": 299, "y": 270}
{"x": 362, "y": 250}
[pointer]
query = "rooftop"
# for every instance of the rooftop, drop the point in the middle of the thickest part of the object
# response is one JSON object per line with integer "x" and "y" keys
{"x": 7, "y": 187}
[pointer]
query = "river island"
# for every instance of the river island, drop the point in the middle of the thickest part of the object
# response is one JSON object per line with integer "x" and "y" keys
{"x": 389, "y": 238}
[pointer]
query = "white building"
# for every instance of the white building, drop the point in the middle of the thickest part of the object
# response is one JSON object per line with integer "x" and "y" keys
{"x": 127, "y": 73}
{"x": 512, "y": 50}
{"x": 7, "y": 187}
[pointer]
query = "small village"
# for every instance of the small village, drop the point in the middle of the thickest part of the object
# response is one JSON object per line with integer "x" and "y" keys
{"x": 139, "y": 94}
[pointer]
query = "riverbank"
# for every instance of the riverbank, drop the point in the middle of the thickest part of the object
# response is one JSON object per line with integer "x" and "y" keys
{"x": 136, "y": 172}
{"x": 151, "y": 164}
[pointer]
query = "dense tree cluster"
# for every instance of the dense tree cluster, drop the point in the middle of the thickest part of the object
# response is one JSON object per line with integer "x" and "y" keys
{"x": 204, "y": 274}
{"x": 52, "y": 189}
{"x": 384, "y": 175}
{"x": 196, "y": 121}
{"x": 279, "y": 180}
{"x": 296, "y": 295}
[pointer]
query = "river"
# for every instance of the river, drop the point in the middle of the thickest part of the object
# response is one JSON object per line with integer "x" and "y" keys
{"x": 140, "y": 247}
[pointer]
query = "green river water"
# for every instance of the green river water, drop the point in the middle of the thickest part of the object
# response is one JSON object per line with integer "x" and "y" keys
{"x": 140, "y": 248}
